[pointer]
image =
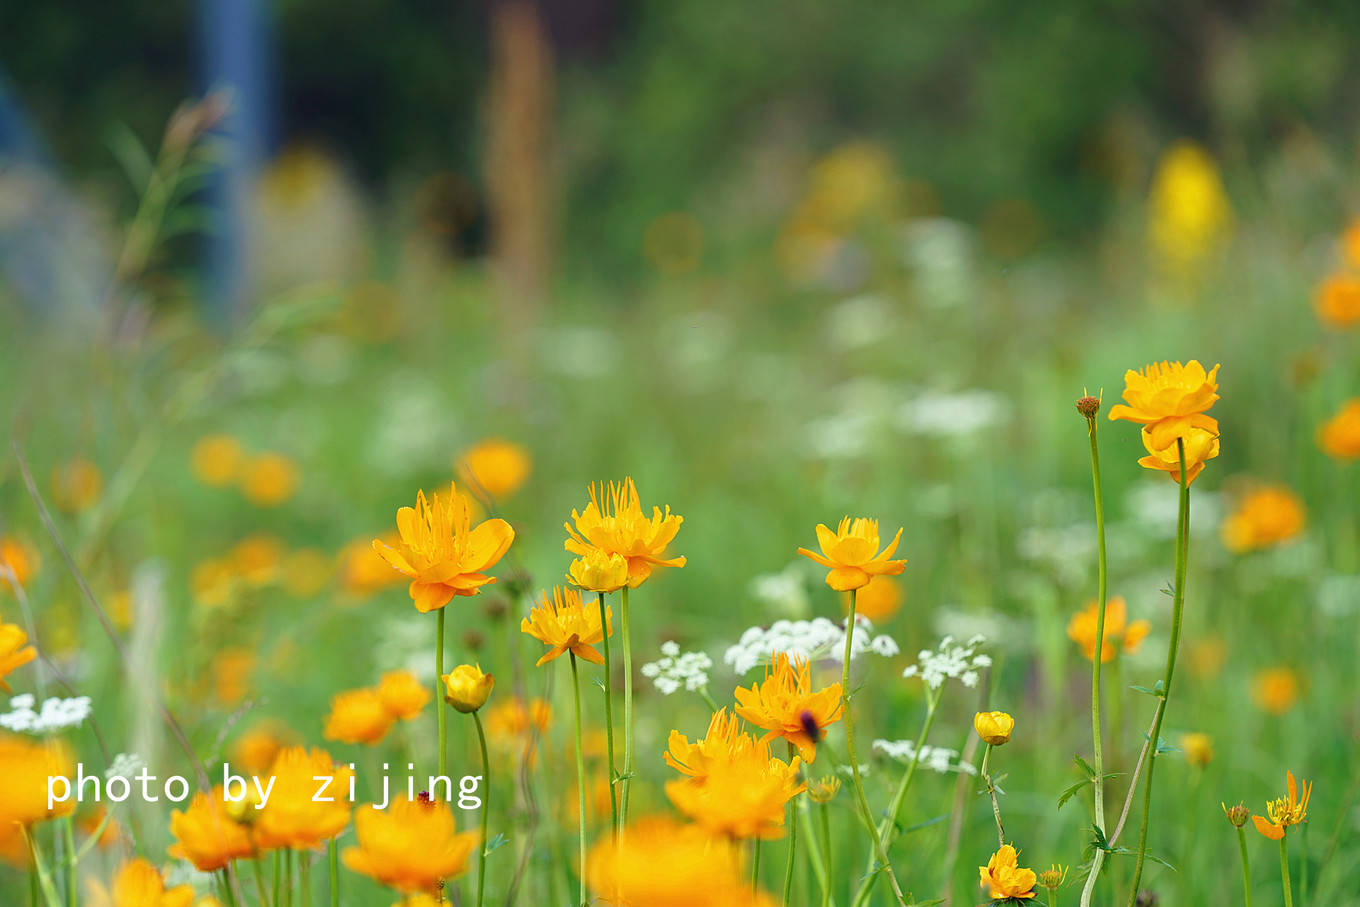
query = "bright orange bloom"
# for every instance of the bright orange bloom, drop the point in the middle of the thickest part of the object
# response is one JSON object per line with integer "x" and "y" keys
{"x": 76, "y": 485}
{"x": 567, "y": 625}
{"x": 363, "y": 571}
{"x": 509, "y": 721}
{"x": 1200, "y": 445}
{"x": 358, "y": 716}
{"x": 1120, "y": 635}
{"x": 1340, "y": 435}
{"x": 1005, "y": 878}
{"x": 1266, "y": 516}
{"x": 1275, "y": 690}
{"x": 256, "y": 750}
{"x": 411, "y": 846}
{"x": 618, "y": 526}
{"x": 19, "y": 558}
{"x": 441, "y": 552}
{"x": 139, "y": 884}
{"x": 786, "y": 706}
{"x": 24, "y": 770}
{"x": 1338, "y": 300}
{"x": 494, "y": 467}
{"x": 693, "y": 759}
{"x": 216, "y": 460}
{"x": 206, "y": 835}
{"x": 269, "y": 479}
{"x": 599, "y": 571}
{"x": 1284, "y": 811}
{"x": 14, "y": 652}
{"x": 743, "y": 795}
{"x": 852, "y": 555}
{"x": 292, "y": 817}
{"x": 879, "y": 600}
{"x": 402, "y": 694}
{"x": 1169, "y": 399}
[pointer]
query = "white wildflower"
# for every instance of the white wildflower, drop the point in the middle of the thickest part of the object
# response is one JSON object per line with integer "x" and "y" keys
{"x": 784, "y": 592}
{"x": 818, "y": 639}
{"x": 936, "y": 758}
{"x": 56, "y": 714}
{"x": 676, "y": 669}
{"x": 124, "y": 765}
{"x": 949, "y": 415}
{"x": 950, "y": 660}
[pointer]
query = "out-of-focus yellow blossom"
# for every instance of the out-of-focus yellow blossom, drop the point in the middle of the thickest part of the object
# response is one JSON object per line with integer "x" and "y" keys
{"x": 90, "y": 824}
{"x": 994, "y": 727}
{"x": 206, "y": 835}
{"x": 269, "y": 479}
{"x": 1268, "y": 515}
{"x": 1198, "y": 748}
{"x": 512, "y": 719}
{"x": 256, "y": 750}
{"x": 1207, "y": 656}
{"x": 785, "y": 705}
{"x": 1282, "y": 812}
{"x": 851, "y": 554}
{"x": 599, "y": 571}
{"x": 139, "y": 884}
{"x": 1169, "y": 400}
{"x": 363, "y": 570}
{"x": 412, "y": 846}
{"x": 358, "y": 716}
{"x": 19, "y": 558}
{"x": 217, "y": 459}
{"x": 402, "y": 694}
{"x": 293, "y": 816}
{"x": 1275, "y": 690}
{"x": 231, "y": 669}
{"x": 467, "y": 689}
{"x": 1120, "y": 635}
{"x": 1188, "y": 209}
{"x": 879, "y": 600}
{"x": 1004, "y": 877}
{"x": 305, "y": 572}
{"x": 76, "y": 485}
{"x": 213, "y": 582}
{"x": 257, "y": 559}
{"x": 494, "y": 468}
{"x": 823, "y": 790}
{"x": 598, "y": 803}
{"x": 743, "y": 794}
{"x": 565, "y": 624}
{"x": 1338, "y": 301}
{"x": 14, "y": 652}
{"x": 1340, "y": 435}
{"x": 121, "y": 609}
{"x": 614, "y": 522}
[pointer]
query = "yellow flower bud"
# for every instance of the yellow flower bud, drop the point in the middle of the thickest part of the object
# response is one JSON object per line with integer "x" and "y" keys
{"x": 822, "y": 790}
{"x": 599, "y": 571}
{"x": 994, "y": 727}
{"x": 467, "y": 689}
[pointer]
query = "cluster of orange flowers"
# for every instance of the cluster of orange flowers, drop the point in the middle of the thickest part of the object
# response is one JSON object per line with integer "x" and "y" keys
{"x": 365, "y": 715}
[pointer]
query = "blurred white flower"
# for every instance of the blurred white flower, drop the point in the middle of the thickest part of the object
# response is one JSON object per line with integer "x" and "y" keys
{"x": 950, "y": 661}
{"x": 579, "y": 351}
{"x": 124, "y": 765}
{"x": 818, "y": 639}
{"x": 784, "y": 592}
{"x": 859, "y": 321}
{"x": 676, "y": 669}
{"x": 939, "y": 253}
{"x": 1338, "y": 595}
{"x": 950, "y": 415}
{"x": 56, "y": 714}
{"x": 936, "y": 758}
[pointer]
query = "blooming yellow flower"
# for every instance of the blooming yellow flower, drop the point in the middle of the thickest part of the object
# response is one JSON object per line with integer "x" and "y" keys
{"x": 441, "y": 552}
{"x": 1198, "y": 748}
{"x": 1266, "y": 516}
{"x": 1200, "y": 445}
{"x": 1338, "y": 300}
{"x": 851, "y": 553}
{"x": 613, "y": 522}
{"x": 878, "y": 601}
{"x": 358, "y": 716}
{"x": 1285, "y": 811}
{"x": 256, "y": 750}
{"x": 467, "y": 689}
{"x": 1169, "y": 399}
{"x": 139, "y": 884}
{"x": 1005, "y": 878}
{"x": 14, "y": 652}
{"x": 693, "y": 759}
{"x": 411, "y": 846}
{"x": 402, "y": 694}
{"x": 18, "y": 558}
{"x": 785, "y": 705}
{"x": 206, "y": 835}
{"x": 565, "y": 624}
{"x": 24, "y": 770}
{"x": 76, "y": 485}
{"x": 1340, "y": 435}
{"x": 494, "y": 467}
{"x": 213, "y": 583}
{"x": 1120, "y": 635}
{"x": 1275, "y": 690}
{"x": 743, "y": 794}
{"x": 292, "y": 816}
{"x": 269, "y": 479}
{"x": 216, "y": 460}
{"x": 994, "y": 727}
{"x": 599, "y": 571}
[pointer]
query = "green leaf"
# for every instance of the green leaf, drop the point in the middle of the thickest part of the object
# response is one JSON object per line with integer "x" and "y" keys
{"x": 497, "y": 842}
{"x": 1086, "y": 767}
{"x": 131, "y": 156}
{"x": 1070, "y": 792}
{"x": 920, "y": 825}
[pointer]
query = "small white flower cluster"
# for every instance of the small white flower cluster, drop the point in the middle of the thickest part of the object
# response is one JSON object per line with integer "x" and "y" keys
{"x": 55, "y": 715}
{"x": 784, "y": 592}
{"x": 950, "y": 660}
{"x": 936, "y": 758}
{"x": 947, "y": 415}
{"x": 676, "y": 669}
{"x": 818, "y": 639}
{"x": 124, "y": 765}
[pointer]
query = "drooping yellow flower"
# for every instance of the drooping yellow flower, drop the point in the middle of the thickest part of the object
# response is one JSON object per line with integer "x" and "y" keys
{"x": 494, "y": 468}
{"x": 76, "y": 485}
{"x": 566, "y": 625}
{"x": 1200, "y": 445}
{"x": 14, "y": 652}
{"x": 994, "y": 727}
{"x": 743, "y": 795}
{"x": 412, "y": 846}
{"x": 693, "y": 759}
{"x": 1198, "y": 748}
{"x": 1168, "y": 399}
{"x": 216, "y": 460}
{"x": 139, "y": 884}
{"x": 440, "y": 550}
{"x": 599, "y": 571}
{"x": 402, "y": 694}
{"x": 1282, "y": 812}
{"x": 1266, "y": 516}
{"x": 1338, "y": 301}
{"x": 19, "y": 558}
{"x": 358, "y": 716}
{"x": 1339, "y": 436}
{"x": 1004, "y": 877}
{"x": 206, "y": 835}
{"x": 294, "y": 816}
{"x": 1120, "y": 635}
{"x": 1188, "y": 208}
{"x": 269, "y": 479}
{"x": 613, "y": 522}
{"x": 657, "y": 862}
{"x": 467, "y": 689}
{"x": 1275, "y": 690}
{"x": 879, "y": 600}
{"x": 851, "y": 554}
{"x": 786, "y": 706}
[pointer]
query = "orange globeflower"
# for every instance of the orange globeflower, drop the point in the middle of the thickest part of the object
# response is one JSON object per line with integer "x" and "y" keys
{"x": 297, "y": 814}
{"x": 1338, "y": 300}
{"x": 139, "y": 884}
{"x": 14, "y": 652}
{"x": 1200, "y": 445}
{"x": 694, "y": 759}
{"x": 618, "y": 526}
{"x": 785, "y": 705}
{"x": 76, "y": 485}
{"x": 24, "y": 770}
{"x": 879, "y": 600}
{"x": 510, "y": 719}
{"x": 852, "y": 555}
{"x": 18, "y": 558}
{"x": 565, "y": 624}
{"x": 256, "y": 750}
{"x": 1267, "y": 516}
{"x": 412, "y": 846}
{"x": 738, "y": 790}
{"x": 402, "y": 694}
{"x": 1004, "y": 877}
{"x": 216, "y": 460}
{"x": 441, "y": 552}
{"x": 1275, "y": 690}
{"x": 1340, "y": 435}
{"x": 269, "y": 479}
{"x": 206, "y": 835}
{"x": 494, "y": 466}
{"x": 357, "y": 716}
{"x": 362, "y": 570}
{"x": 1285, "y": 811}
{"x": 1120, "y": 635}
{"x": 599, "y": 571}
{"x": 1168, "y": 399}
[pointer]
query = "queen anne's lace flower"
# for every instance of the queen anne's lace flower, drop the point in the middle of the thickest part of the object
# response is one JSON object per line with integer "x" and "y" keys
{"x": 950, "y": 660}
{"x": 124, "y": 765}
{"x": 55, "y": 715}
{"x": 936, "y": 758}
{"x": 676, "y": 669}
{"x": 815, "y": 640}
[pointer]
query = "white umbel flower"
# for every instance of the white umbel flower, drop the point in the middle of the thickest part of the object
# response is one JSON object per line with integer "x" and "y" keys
{"x": 676, "y": 669}
{"x": 950, "y": 661}
{"x": 815, "y": 640}
{"x": 55, "y": 715}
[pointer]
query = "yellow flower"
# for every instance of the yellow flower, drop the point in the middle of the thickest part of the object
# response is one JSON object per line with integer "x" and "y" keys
{"x": 363, "y": 570}
{"x": 878, "y": 601}
{"x": 216, "y": 460}
{"x": 510, "y": 722}
{"x": 1338, "y": 301}
{"x": 1198, "y": 748}
{"x": 1200, "y": 445}
{"x": 139, "y": 884}
{"x": 565, "y": 624}
{"x": 1350, "y": 244}
{"x": 213, "y": 583}
{"x": 1285, "y": 811}
{"x": 18, "y": 558}
{"x": 402, "y": 694}
{"x": 1188, "y": 208}
{"x": 994, "y": 727}
{"x": 618, "y": 526}
{"x": 1268, "y": 515}
{"x": 1005, "y": 878}
{"x": 441, "y": 552}
{"x": 256, "y": 750}
{"x": 1340, "y": 435}
{"x": 1275, "y": 690}
{"x": 90, "y": 824}
{"x": 1119, "y": 634}
{"x": 823, "y": 790}
{"x": 306, "y": 571}
{"x": 494, "y": 467}
{"x": 256, "y": 559}
{"x": 658, "y": 862}
{"x": 24, "y": 770}
{"x": 693, "y": 759}
{"x": 1168, "y": 399}
{"x": 231, "y": 670}
{"x": 293, "y": 816}
{"x": 599, "y": 571}
{"x": 852, "y": 555}
{"x": 206, "y": 835}
{"x": 412, "y": 846}
{"x": 77, "y": 485}
{"x": 14, "y": 652}
{"x": 357, "y": 716}
{"x": 786, "y": 706}
{"x": 269, "y": 479}
{"x": 467, "y": 689}
{"x": 743, "y": 795}
{"x": 1054, "y": 877}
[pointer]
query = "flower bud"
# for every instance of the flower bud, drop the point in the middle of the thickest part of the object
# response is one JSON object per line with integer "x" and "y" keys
{"x": 994, "y": 727}
{"x": 467, "y": 689}
{"x": 1053, "y": 877}
{"x": 1237, "y": 815}
{"x": 823, "y": 790}
{"x": 1088, "y": 406}
{"x": 599, "y": 571}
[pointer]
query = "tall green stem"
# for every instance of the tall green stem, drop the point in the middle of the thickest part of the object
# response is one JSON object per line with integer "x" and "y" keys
{"x": 1284, "y": 871}
{"x": 627, "y": 709}
{"x": 439, "y": 688}
{"x": 755, "y": 864}
{"x": 792, "y": 825}
{"x": 486, "y": 803}
{"x": 67, "y": 825}
{"x": 609, "y": 722}
{"x": 1177, "y": 607}
{"x": 278, "y": 879}
{"x": 1246, "y": 866}
{"x": 991, "y": 790}
{"x": 333, "y": 858}
{"x": 1097, "y": 659}
{"x": 580, "y": 773}
{"x": 825, "y": 811}
{"x": 227, "y": 893}
{"x": 305, "y": 876}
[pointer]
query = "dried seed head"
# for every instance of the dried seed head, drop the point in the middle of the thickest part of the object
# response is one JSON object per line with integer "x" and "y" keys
{"x": 1237, "y": 815}
{"x": 1088, "y": 406}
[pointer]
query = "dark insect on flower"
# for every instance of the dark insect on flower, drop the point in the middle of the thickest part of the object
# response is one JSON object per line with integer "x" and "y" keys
{"x": 810, "y": 726}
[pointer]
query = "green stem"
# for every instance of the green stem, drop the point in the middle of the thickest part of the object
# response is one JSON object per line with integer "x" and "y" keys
{"x": 278, "y": 875}
{"x": 334, "y": 861}
{"x": 259, "y": 881}
{"x": 814, "y": 850}
{"x": 305, "y": 875}
{"x": 34, "y": 894}
{"x": 1177, "y": 608}
{"x": 755, "y": 865}
{"x": 439, "y": 688}
{"x": 1097, "y": 661}
{"x": 486, "y": 806}
{"x": 288, "y": 877}
{"x": 1246, "y": 866}
{"x": 1303, "y": 866}
{"x": 793, "y": 840}
{"x": 627, "y": 710}
{"x": 226, "y": 889}
{"x": 707, "y": 698}
{"x": 991, "y": 790}
{"x": 609, "y": 722}
{"x": 67, "y": 825}
{"x": 1284, "y": 871}
{"x": 580, "y": 773}
{"x": 825, "y": 811}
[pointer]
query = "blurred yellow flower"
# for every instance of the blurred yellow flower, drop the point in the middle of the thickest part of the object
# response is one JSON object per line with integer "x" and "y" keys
{"x": 851, "y": 553}
{"x": 402, "y": 694}
{"x": 205, "y": 834}
{"x": 76, "y": 485}
{"x": 786, "y": 706}
{"x": 598, "y": 803}
{"x": 994, "y": 727}
{"x": 213, "y": 582}
{"x": 1338, "y": 300}
{"x": 294, "y": 816}
{"x": 440, "y": 551}
{"x": 257, "y": 559}
{"x": 1169, "y": 399}
{"x": 216, "y": 460}
{"x": 619, "y": 526}
{"x": 1268, "y": 515}
{"x": 564, "y": 624}
{"x": 1282, "y": 812}
{"x": 1340, "y": 435}
{"x": 24, "y": 770}
{"x": 19, "y": 558}
{"x": 14, "y": 652}
{"x": 823, "y": 790}
{"x": 358, "y": 716}
{"x": 139, "y": 884}
{"x": 493, "y": 468}
{"x": 510, "y": 722}
{"x": 1207, "y": 656}
{"x": 1275, "y": 690}
{"x": 878, "y": 601}
{"x": 1120, "y": 635}
{"x": 1004, "y": 877}
{"x": 230, "y": 670}
{"x": 1200, "y": 445}
{"x": 599, "y": 571}
{"x": 1188, "y": 209}
{"x": 743, "y": 795}
{"x": 1198, "y": 748}
{"x": 412, "y": 846}
{"x": 256, "y": 750}
{"x": 91, "y": 822}
{"x": 269, "y": 479}
{"x": 305, "y": 572}
{"x": 693, "y": 759}
{"x": 363, "y": 570}
{"x": 467, "y": 689}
